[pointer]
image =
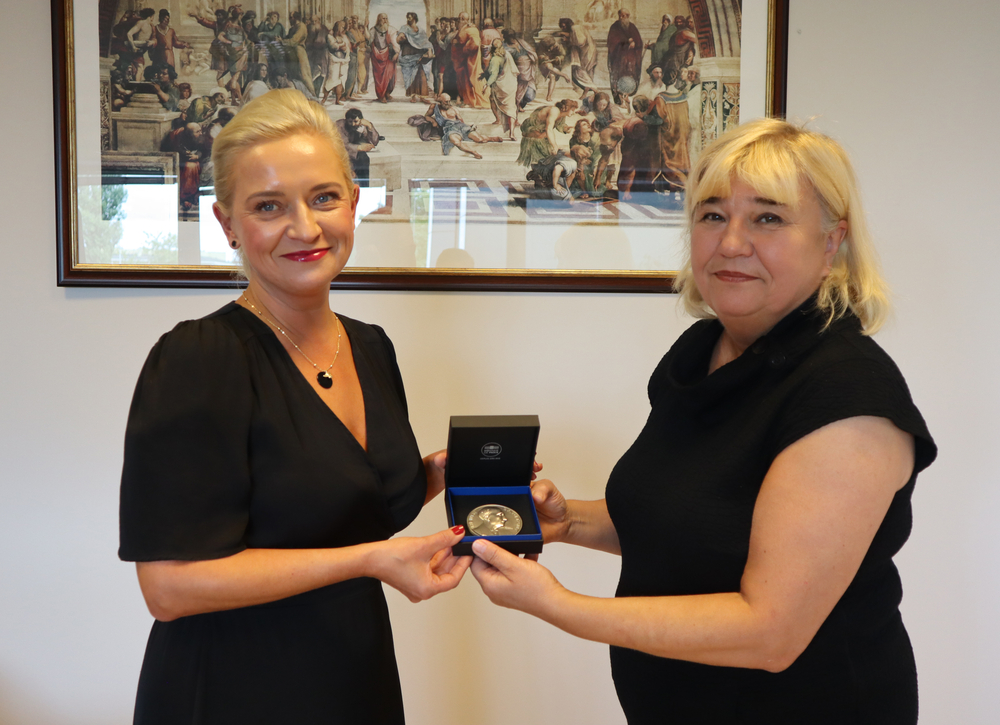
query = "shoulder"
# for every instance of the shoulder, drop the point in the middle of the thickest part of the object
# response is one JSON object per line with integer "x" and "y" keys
{"x": 843, "y": 346}
{"x": 215, "y": 341}
{"x": 847, "y": 374}
{"x": 371, "y": 338}
{"x": 199, "y": 371}
{"x": 372, "y": 342}
{"x": 363, "y": 331}
{"x": 847, "y": 364}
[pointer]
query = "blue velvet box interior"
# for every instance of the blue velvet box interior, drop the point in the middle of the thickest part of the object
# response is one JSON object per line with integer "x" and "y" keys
{"x": 460, "y": 501}
{"x": 490, "y": 461}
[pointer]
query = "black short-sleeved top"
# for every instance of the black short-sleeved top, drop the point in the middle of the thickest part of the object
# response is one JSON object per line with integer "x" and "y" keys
{"x": 228, "y": 447}
{"x": 682, "y": 500}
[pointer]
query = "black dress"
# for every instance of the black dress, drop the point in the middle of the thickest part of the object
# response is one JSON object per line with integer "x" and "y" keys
{"x": 228, "y": 447}
{"x": 682, "y": 501}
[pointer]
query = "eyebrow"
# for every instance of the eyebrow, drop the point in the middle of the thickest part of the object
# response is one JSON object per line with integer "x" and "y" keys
{"x": 757, "y": 200}
{"x": 334, "y": 185}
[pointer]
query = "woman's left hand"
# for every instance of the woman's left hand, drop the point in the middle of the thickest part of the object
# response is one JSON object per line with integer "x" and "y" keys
{"x": 421, "y": 567}
{"x": 513, "y": 582}
{"x": 434, "y": 466}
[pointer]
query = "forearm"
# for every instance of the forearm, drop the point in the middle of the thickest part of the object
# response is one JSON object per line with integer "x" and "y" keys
{"x": 713, "y": 629}
{"x": 590, "y": 526}
{"x": 175, "y": 589}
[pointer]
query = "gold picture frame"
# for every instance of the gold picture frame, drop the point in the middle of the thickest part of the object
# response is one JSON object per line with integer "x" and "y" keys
{"x": 110, "y": 134}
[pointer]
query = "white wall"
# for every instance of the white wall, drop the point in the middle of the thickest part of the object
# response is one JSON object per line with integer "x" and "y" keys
{"x": 912, "y": 98}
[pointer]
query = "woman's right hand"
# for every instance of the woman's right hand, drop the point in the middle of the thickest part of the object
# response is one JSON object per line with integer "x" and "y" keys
{"x": 552, "y": 510}
{"x": 421, "y": 567}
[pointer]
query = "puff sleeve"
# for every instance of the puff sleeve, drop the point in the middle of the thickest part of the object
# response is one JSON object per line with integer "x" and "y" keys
{"x": 185, "y": 488}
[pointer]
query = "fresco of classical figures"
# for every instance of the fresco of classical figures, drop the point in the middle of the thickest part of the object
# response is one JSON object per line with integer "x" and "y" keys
{"x": 603, "y": 102}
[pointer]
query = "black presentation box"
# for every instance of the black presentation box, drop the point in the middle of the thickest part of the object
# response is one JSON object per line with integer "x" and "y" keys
{"x": 490, "y": 460}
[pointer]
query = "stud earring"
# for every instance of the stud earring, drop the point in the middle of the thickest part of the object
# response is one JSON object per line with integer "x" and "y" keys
{"x": 234, "y": 243}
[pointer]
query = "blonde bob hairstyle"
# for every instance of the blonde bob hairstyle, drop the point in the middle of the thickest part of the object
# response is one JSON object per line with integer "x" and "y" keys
{"x": 273, "y": 116}
{"x": 775, "y": 157}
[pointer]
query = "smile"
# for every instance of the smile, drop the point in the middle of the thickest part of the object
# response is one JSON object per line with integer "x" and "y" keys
{"x": 309, "y": 256}
{"x": 728, "y": 276}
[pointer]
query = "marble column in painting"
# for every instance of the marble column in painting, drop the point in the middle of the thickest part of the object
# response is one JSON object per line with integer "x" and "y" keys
{"x": 720, "y": 97}
{"x": 107, "y": 139}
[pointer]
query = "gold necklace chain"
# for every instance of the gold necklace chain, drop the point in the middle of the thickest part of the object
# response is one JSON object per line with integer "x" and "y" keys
{"x": 322, "y": 376}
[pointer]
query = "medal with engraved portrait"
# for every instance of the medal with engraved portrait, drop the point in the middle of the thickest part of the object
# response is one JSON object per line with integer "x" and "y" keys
{"x": 493, "y": 520}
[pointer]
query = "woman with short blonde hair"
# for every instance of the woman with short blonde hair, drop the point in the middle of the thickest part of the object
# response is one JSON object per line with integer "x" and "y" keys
{"x": 772, "y": 155}
{"x": 758, "y": 511}
{"x": 269, "y": 462}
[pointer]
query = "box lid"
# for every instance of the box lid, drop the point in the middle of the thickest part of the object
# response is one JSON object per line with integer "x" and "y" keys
{"x": 491, "y": 450}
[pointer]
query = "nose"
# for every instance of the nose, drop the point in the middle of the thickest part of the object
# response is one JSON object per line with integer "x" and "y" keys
{"x": 736, "y": 241}
{"x": 303, "y": 226}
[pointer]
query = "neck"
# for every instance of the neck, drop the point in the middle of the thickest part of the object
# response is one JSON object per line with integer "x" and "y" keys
{"x": 727, "y": 349}
{"x": 302, "y": 316}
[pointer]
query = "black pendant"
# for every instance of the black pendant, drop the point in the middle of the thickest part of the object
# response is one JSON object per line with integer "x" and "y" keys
{"x": 324, "y": 380}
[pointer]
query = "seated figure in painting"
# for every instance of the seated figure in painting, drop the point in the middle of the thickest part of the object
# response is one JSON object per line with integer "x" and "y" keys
{"x": 360, "y": 136}
{"x": 455, "y": 132}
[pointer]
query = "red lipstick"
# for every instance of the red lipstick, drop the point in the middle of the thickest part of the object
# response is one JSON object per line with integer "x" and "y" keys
{"x": 307, "y": 256}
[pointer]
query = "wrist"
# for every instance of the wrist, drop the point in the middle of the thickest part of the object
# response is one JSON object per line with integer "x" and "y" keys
{"x": 371, "y": 560}
{"x": 575, "y": 522}
{"x": 553, "y": 606}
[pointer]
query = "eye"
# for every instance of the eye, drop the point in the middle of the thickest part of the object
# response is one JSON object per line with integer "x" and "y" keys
{"x": 326, "y": 197}
{"x": 266, "y": 206}
{"x": 711, "y": 216}
{"x": 770, "y": 218}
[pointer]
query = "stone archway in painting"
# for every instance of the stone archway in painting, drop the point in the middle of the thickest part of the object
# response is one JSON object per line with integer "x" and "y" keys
{"x": 396, "y": 10}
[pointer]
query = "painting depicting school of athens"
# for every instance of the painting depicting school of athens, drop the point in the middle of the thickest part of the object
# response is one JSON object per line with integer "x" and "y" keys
{"x": 511, "y": 111}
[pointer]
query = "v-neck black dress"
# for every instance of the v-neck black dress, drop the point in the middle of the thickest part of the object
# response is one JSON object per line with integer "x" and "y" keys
{"x": 682, "y": 500}
{"x": 228, "y": 447}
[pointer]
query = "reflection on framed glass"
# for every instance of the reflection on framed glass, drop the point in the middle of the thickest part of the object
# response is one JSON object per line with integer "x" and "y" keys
{"x": 587, "y": 196}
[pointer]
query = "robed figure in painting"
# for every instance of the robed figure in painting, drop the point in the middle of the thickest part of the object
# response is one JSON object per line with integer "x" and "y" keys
{"x": 501, "y": 78}
{"x": 416, "y": 56}
{"x": 670, "y": 134}
{"x": 635, "y": 150}
{"x": 295, "y": 43}
{"x": 337, "y": 47}
{"x": 538, "y": 139}
{"x": 270, "y": 33}
{"x": 385, "y": 50}
{"x": 162, "y": 50}
{"x": 467, "y": 57}
{"x": 660, "y": 47}
{"x": 316, "y": 49}
{"x": 357, "y": 72}
{"x": 526, "y": 60}
{"x": 582, "y": 53}
{"x": 682, "y": 48}
{"x": 625, "y": 51}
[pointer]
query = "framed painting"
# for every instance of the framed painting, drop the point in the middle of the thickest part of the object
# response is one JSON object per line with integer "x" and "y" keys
{"x": 499, "y": 144}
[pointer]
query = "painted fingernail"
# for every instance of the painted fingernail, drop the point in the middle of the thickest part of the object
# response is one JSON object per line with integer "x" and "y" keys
{"x": 458, "y": 529}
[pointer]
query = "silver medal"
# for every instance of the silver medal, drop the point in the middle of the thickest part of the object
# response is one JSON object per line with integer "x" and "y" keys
{"x": 493, "y": 520}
